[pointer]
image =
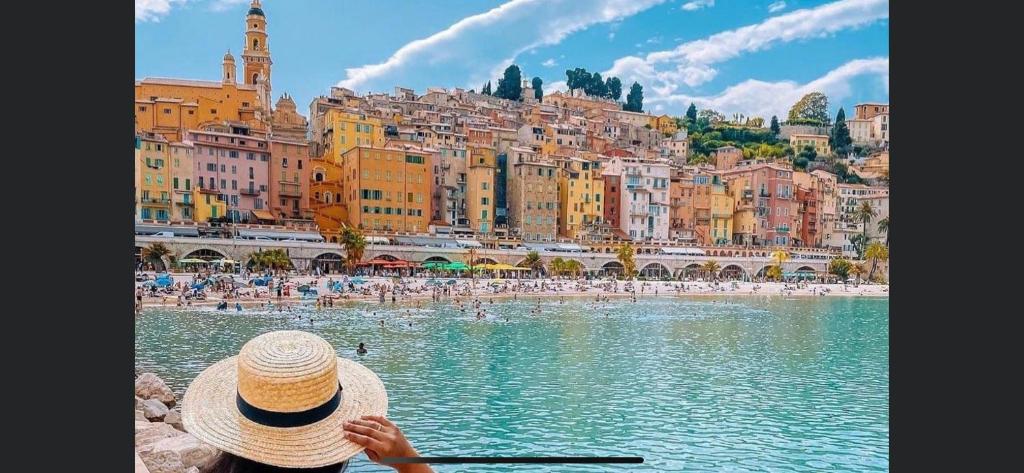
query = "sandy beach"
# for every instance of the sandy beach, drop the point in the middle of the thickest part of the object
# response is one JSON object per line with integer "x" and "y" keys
{"x": 411, "y": 289}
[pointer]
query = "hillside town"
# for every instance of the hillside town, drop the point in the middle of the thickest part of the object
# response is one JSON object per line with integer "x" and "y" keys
{"x": 514, "y": 164}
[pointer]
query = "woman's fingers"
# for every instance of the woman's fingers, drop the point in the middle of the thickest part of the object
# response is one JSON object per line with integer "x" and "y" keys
{"x": 369, "y": 423}
{"x": 362, "y": 440}
{"x": 381, "y": 420}
{"x": 368, "y": 431}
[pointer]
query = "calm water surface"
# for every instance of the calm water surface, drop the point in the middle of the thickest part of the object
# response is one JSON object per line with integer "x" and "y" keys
{"x": 740, "y": 384}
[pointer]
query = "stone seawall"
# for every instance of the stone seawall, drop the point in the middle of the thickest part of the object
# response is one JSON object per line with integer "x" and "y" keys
{"x": 161, "y": 443}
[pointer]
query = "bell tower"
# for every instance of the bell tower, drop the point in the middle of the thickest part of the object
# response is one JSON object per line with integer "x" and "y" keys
{"x": 228, "y": 75}
{"x": 256, "y": 54}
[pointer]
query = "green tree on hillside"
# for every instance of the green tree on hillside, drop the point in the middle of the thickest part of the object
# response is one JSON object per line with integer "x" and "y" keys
{"x": 691, "y": 114}
{"x": 538, "y": 92}
{"x": 486, "y": 89}
{"x": 775, "y": 126}
{"x": 510, "y": 86}
{"x": 614, "y": 88}
{"x": 635, "y": 99}
{"x": 812, "y": 107}
{"x": 840, "y": 139}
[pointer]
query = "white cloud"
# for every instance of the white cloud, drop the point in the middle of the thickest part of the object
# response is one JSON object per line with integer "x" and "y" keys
{"x": 549, "y": 63}
{"x": 557, "y": 86}
{"x": 759, "y": 98}
{"x": 776, "y": 6}
{"x": 153, "y": 10}
{"x": 698, "y": 4}
{"x": 471, "y": 45}
{"x": 223, "y": 5}
{"x": 690, "y": 62}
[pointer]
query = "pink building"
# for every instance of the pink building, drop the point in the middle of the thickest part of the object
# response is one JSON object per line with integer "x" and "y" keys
{"x": 235, "y": 163}
{"x": 774, "y": 199}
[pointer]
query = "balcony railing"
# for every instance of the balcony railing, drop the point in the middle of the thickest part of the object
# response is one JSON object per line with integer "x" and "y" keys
{"x": 247, "y": 191}
{"x": 156, "y": 200}
{"x": 290, "y": 190}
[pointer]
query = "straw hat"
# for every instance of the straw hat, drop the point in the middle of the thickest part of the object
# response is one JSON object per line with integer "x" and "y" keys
{"x": 282, "y": 401}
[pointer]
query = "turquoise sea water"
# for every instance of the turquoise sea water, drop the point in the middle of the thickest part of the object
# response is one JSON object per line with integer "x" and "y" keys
{"x": 727, "y": 384}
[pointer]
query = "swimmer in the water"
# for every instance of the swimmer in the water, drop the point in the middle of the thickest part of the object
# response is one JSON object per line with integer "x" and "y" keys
{"x": 361, "y": 350}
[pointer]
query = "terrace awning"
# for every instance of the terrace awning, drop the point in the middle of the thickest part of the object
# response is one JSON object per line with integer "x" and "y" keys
{"x": 178, "y": 230}
{"x": 263, "y": 215}
{"x": 285, "y": 235}
{"x": 470, "y": 243}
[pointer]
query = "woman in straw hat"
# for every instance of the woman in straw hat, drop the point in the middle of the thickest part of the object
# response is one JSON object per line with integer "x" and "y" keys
{"x": 287, "y": 402}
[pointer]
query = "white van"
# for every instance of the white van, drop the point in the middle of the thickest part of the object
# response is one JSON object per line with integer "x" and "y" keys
{"x": 164, "y": 234}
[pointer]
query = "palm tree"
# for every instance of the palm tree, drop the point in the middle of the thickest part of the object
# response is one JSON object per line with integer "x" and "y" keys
{"x": 573, "y": 267}
{"x": 276, "y": 260}
{"x": 533, "y": 262}
{"x": 557, "y": 266}
{"x": 712, "y": 268}
{"x": 158, "y": 253}
{"x": 876, "y": 252}
{"x": 471, "y": 256}
{"x": 860, "y": 243}
{"x": 773, "y": 273}
{"x": 625, "y": 254}
{"x": 857, "y": 269}
{"x": 354, "y": 243}
{"x": 883, "y": 227}
{"x": 840, "y": 267}
{"x": 865, "y": 213}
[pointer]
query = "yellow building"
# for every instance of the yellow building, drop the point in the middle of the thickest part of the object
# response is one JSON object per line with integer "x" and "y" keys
{"x": 137, "y": 183}
{"x": 480, "y": 188}
{"x": 580, "y": 196}
{"x": 388, "y": 189}
{"x": 744, "y": 221}
{"x": 208, "y": 204}
{"x": 154, "y": 178}
{"x": 172, "y": 106}
{"x": 346, "y": 130}
{"x": 181, "y": 162}
{"x": 664, "y": 124}
{"x": 819, "y": 142}
{"x": 722, "y": 206}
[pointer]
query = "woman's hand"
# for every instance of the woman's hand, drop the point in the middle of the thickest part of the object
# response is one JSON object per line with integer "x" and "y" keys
{"x": 383, "y": 439}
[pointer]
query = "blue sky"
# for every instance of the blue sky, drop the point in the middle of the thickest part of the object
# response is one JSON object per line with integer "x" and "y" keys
{"x": 755, "y": 57}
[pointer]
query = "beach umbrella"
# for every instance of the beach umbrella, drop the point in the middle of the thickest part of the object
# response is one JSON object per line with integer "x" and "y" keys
{"x": 357, "y": 280}
{"x": 450, "y": 282}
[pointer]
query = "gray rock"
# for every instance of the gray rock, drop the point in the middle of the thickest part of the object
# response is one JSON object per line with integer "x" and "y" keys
{"x": 176, "y": 454}
{"x": 154, "y": 410}
{"x": 140, "y": 415}
{"x": 150, "y": 386}
{"x": 173, "y": 418}
{"x": 148, "y": 433}
{"x": 192, "y": 469}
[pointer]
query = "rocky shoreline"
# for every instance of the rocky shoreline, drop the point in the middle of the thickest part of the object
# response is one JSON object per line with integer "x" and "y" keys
{"x": 161, "y": 443}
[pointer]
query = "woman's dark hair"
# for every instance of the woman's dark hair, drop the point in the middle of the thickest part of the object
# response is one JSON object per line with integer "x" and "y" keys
{"x": 231, "y": 463}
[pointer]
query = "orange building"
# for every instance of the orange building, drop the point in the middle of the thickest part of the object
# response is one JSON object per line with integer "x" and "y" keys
{"x": 387, "y": 189}
{"x": 169, "y": 107}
